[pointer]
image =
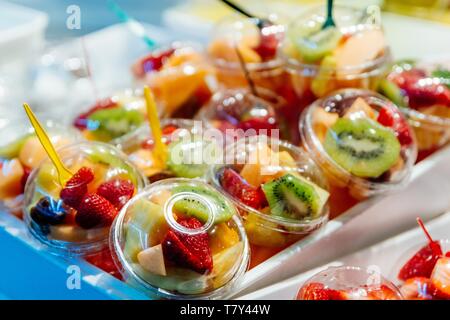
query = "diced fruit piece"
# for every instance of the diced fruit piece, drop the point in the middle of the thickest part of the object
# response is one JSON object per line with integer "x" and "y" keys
{"x": 362, "y": 147}
{"x": 440, "y": 278}
{"x": 237, "y": 187}
{"x": 417, "y": 288}
{"x": 181, "y": 156}
{"x": 81, "y": 122}
{"x": 317, "y": 291}
{"x": 360, "y": 109}
{"x": 268, "y": 42}
{"x": 392, "y": 119}
{"x": 422, "y": 263}
{"x": 152, "y": 62}
{"x": 48, "y": 211}
{"x": 152, "y": 260}
{"x": 193, "y": 208}
{"x": 442, "y": 74}
{"x": 146, "y": 218}
{"x": 13, "y": 149}
{"x": 263, "y": 165}
{"x": 323, "y": 82}
{"x": 31, "y": 154}
{"x": 390, "y": 90}
{"x": 224, "y": 262}
{"x": 383, "y": 293}
{"x": 105, "y": 262}
{"x": 317, "y": 44}
{"x": 116, "y": 191}
{"x": 322, "y": 121}
{"x": 359, "y": 49}
{"x": 223, "y": 49}
{"x": 257, "y": 124}
{"x": 24, "y": 179}
{"x": 189, "y": 251}
{"x": 95, "y": 211}
{"x": 76, "y": 187}
{"x": 295, "y": 198}
{"x": 222, "y": 238}
{"x": 448, "y": 254}
{"x": 11, "y": 173}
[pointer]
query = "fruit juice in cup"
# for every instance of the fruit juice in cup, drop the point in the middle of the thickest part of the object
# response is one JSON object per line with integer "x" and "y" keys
{"x": 178, "y": 76}
{"x": 185, "y": 142}
{"x": 75, "y": 218}
{"x": 235, "y": 109}
{"x": 423, "y": 90}
{"x": 348, "y": 283}
{"x": 20, "y": 153}
{"x": 180, "y": 239}
{"x": 112, "y": 117}
{"x": 362, "y": 142}
{"x": 354, "y": 54}
{"x": 279, "y": 191}
{"x": 424, "y": 271}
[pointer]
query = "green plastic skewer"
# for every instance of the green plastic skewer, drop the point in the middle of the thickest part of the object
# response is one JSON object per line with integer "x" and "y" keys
{"x": 329, "y": 22}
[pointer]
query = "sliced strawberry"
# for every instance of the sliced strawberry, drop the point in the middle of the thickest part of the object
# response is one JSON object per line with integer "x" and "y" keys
{"x": 152, "y": 62}
{"x": 104, "y": 261}
{"x": 189, "y": 251}
{"x": 268, "y": 123}
{"x": 82, "y": 121}
{"x": 417, "y": 288}
{"x": 116, "y": 191}
{"x": 236, "y": 186}
{"x": 383, "y": 293}
{"x": 391, "y": 118}
{"x": 169, "y": 129}
{"x": 95, "y": 211}
{"x": 26, "y": 174}
{"x": 76, "y": 187}
{"x": 317, "y": 291}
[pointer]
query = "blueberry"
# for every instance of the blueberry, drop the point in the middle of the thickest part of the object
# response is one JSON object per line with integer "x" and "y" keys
{"x": 48, "y": 212}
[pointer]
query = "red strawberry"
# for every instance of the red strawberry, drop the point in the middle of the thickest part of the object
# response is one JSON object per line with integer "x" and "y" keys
{"x": 104, "y": 261}
{"x": 116, "y": 191}
{"x": 317, "y": 291}
{"x": 392, "y": 119}
{"x": 423, "y": 262}
{"x": 26, "y": 174}
{"x": 268, "y": 43}
{"x": 190, "y": 251}
{"x": 76, "y": 187}
{"x": 169, "y": 129}
{"x": 268, "y": 123}
{"x": 236, "y": 186}
{"x": 95, "y": 211}
{"x": 152, "y": 62}
{"x": 447, "y": 254}
{"x": 82, "y": 120}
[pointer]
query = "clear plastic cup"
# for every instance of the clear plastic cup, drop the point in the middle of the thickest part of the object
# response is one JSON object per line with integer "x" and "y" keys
{"x": 179, "y": 75}
{"x": 180, "y": 239}
{"x": 75, "y": 218}
{"x": 422, "y": 89}
{"x": 424, "y": 287}
{"x": 252, "y": 169}
{"x": 317, "y": 78}
{"x": 21, "y": 152}
{"x": 189, "y": 152}
{"x": 324, "y": 135}
{"x": 234, "y": 109}
{"x": 348, "y": 283}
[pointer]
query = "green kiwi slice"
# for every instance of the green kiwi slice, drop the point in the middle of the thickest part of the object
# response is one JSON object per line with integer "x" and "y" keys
{"x": 317, "y": 44}
{"x": 362, "y": 146}
{"x": 195, "y": 208}
{"x": 295, "y": 198}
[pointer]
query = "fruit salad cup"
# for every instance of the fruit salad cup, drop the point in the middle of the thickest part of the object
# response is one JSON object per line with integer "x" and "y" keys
{"x": 352, "y": 55}
{"x": 112, "y": 117}
{"x": 20, "y": 153}
{"x": 348, "y": 283}
{"x": 188, "y": 152}
{"x": 178, "y": 75}
{"x": 423, "y": 90}
{"x": 236, "y": 111}
{"x": 74, "y": 218}
{"x": 279, "y": 191}
{"x": 180, "y": 239}
{"x": 362, "y": 142}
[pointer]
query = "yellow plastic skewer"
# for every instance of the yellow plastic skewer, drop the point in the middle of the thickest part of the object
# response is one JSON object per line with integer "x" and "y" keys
{"x": 63, "y": 173}
{"x": 155, "y": 127}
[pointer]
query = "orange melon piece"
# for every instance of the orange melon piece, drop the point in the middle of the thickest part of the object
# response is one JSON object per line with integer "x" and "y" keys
{"x": 224, "y": 49}
{"x": 11, "y": 173}
{"x": 322, "y": 121}
{"x": 152, "y": 260}
{"x": 222, "y": 238}
{"x": 360, "y": 109}
{"x": 258, "y": 160}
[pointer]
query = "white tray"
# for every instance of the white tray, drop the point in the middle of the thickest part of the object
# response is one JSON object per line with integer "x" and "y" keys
{"x": 384, "y": 256}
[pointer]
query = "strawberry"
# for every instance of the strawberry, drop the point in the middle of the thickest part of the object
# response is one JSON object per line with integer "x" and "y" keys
{"x": 268, "y": 123}
{"x": 417, "y": 288}
{"x": 383, "y": 293}
{"x": 236, "y": 186}
{"x": 116, "y": 191}
{"x": 169, "y": 129}
{"x": 26, "y": 174}
{"x": 76, "y": 187}
{"x": 189, "y": 251}
{"x": 268, "y": 42}
{"x": 82, "y": 121}
{"x": 423, "y": 262}
{"x": 104, "y": 261}
{"x": 391, "y": 118}
{"x": 152, "y": 62}
{"x": 317, "y": 291}
{"x": 95, "y": 211}
{"x": 447, "y": 254}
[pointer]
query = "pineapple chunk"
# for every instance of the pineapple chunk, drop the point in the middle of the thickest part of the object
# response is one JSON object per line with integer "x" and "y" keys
{"x": 360, "y": 109}
{"x": 152, "y": 260}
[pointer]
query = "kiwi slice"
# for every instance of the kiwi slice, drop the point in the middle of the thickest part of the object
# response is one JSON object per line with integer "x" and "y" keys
{"x": 112, "y": 123}
{"x": 317, "y": 44}
{"x": 391, "y": 91}
{"x": 295, "y": 198}
{"x": 362, "y": 146}
{"x": 192, "y": 207}
{"x": 442, "y": 74}
{"x": 12, "y": 149}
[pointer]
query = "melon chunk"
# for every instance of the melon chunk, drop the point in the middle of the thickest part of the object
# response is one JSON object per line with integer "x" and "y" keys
{"x": 11, "y": 173}
{"x": 152, "y": 260}
{"x": 360, "y": 109}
